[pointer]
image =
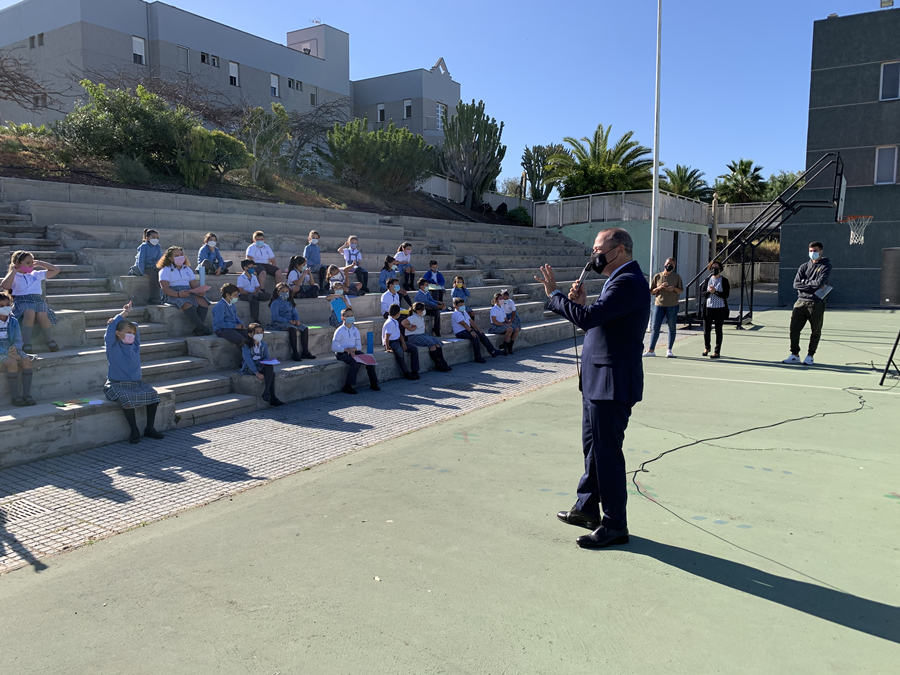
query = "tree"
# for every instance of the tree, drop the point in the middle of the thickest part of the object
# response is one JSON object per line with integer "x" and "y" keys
{"x": 778, "y": 183}
{"x": 592, "y": 179}
{"x": 229, "y": 154}
{"x": 311, "y": 127}
{"x": 472, "y": 151}
{"x": 534, "y": 161}
{"x": 594, "y": 157}
{"x": 510, "y": 187}
{"x": 194, "y": 157}
{"x": 19, "y": 84}
{"x": 687, "y": 182}
{"x": 263, "y": 134}
{"x": 391, "y": 160}
{"x": 742, "y": 184}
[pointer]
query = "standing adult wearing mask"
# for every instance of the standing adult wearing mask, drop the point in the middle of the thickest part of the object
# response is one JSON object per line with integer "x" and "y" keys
{"x": 612, "y": 381}
{"x": 716, "y": 290}
{"x": 666, "y": 286}
{"x": 811, "y": 280}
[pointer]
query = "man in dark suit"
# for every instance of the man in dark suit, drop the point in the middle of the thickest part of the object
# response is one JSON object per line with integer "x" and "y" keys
{"x": 612, "y": 381}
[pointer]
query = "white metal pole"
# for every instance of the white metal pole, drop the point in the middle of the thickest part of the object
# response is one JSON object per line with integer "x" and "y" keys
{"x": 654, "y": 223}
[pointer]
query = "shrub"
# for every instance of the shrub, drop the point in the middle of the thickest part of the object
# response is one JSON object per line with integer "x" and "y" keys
{"x": 25, "y": 130}
{"x": 592, "y": 179}
{"x": 388, "y": 160}
{"x": 194, "y": 157}
{"x": 130, "y": 170}
{"x": 266, "y": 179}
{"x": 229, "y": 154}
{"x": 11, "y": 146}
{"x": 520, "y": 215}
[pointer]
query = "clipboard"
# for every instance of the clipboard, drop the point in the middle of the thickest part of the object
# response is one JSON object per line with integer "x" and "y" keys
{"x": 365, "y": 359}
{"x": 337, "y": 305}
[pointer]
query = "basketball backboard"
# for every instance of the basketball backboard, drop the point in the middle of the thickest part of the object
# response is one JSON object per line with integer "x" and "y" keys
{"x": 839, "y": 216}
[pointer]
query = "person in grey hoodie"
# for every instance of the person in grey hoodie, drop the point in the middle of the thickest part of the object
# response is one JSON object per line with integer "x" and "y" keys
{"x": 810, "y": 306}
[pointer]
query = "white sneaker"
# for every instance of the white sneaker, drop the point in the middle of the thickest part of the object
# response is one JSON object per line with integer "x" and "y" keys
{"x": 648, "y": 353}
{"x": 793, "y": 358}
{"x": 669, "y": 354}
{"x": 808, "y": 361}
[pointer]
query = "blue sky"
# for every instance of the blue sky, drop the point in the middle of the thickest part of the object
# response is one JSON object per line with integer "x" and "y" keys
{"x": 735, "y": 74}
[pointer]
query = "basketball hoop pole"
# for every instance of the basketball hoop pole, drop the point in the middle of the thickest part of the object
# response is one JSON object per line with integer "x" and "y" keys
{"x": 890, "y": 362}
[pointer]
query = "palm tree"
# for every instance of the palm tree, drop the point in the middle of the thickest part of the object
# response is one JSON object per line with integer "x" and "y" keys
{"x": 687, "y": 182}
{"x": 743, "y": 184}
{"x": 627, "y": 155}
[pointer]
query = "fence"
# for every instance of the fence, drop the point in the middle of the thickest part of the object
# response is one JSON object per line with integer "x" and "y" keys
{"x": 740, "y": 214}
{"x": 449, "y": 189}
{"x": 762, "y": 272}
{"x": 619, "y": 206}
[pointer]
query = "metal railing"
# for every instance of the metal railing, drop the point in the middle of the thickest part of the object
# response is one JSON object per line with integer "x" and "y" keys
{"x": 619, "y": 206}
{"x": 740, "y": 214}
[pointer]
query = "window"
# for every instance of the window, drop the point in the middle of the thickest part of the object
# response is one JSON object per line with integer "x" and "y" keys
{"x": 290, "y": 83}
{"x": 234, "y": 74}
{"x": 184, "y": 64}
{"x": 299, "y": 85}
{"x": 441, "y": 109}
{"x": 381, "y": 112}
{"x": 40, "y": 39}
{"x": 890, "y": 81}
{"x": 273, "y": 84}
{"x": 214, "y": 61}
{"x": 886, "y": 165}
{"x": 407, "y": 109}
{"x": 137, "y": 50}
{"x": 313, "y": 96}
{"x": 31, "y": 42}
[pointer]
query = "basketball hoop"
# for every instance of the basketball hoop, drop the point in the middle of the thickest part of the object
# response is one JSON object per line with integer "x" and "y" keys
{"x": 858, "y": 226}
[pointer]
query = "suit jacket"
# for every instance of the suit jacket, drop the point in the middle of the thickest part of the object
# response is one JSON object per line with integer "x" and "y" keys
{"x": 612, "y": 367}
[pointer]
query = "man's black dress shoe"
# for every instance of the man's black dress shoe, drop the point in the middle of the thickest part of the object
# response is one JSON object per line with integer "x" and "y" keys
{"x": 603, "y": 537}
{"x": 579, "y": 518}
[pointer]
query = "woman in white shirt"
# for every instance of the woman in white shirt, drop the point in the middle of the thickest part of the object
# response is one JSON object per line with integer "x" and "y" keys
{"x": 414, "y": 325}
{"x": 500, "y": 324}
{"x": 177, "y": 281}
{"x": 24, "y": 282}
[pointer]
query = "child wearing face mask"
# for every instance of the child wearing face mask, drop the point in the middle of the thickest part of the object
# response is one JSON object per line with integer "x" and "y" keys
{"x": 29, "y": 304}
{"x": 414, "y": 327}
{"x": 464, "y": 328}
{"x": 345, "y": 344}
{"x": 394, "y": 343}
{"x": 248, "y": 285}
{"x": 352, "y": 256}
{"x": 261, "y": 253}
{"x": 177, "y": 280}
{"x": 390, "y": 270}
{"x": 500, "y": 324}
{"x": 390, "y": 297}
{"x": 403, "y": 256}
{"x": 225, "y": 319}
{"x": 512, "y": 315}
{"x": 300, "y": 279}
{"x": 253, "y": 353}
{"x": 715, "y": 291}
{"x": 13, "y": 358}
{"x": 337, "y": 291}
{"x": 313, "y": 256}
{"x": 435, "y": 278}
{"x": 433, "y": 307}
{"x": 148, "y": 254}
{"x": 460, "y": 290}
{"x": 285, "y": 317}
{"x": 123, "y": 383}
{"x": 209, "y": 257}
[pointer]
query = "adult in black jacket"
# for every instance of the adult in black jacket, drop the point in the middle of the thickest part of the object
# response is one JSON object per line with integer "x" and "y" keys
{"x": 812, "y": 278}
{"x": 716, "y": 290}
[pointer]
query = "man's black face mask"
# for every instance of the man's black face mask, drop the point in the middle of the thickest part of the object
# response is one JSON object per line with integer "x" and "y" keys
{"x": 599, "y": 261}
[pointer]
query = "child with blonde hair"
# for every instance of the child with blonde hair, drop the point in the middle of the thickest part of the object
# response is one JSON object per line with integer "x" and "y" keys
{"x": 177, "y": 280}
{"x": 24, "y": 281}
{"x": 352, "y": 256}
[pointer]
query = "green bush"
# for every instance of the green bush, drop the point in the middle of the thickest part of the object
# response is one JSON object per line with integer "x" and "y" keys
{"x": 229, "y": 154}
{"x": 136, "y": 123}
{"x": 266, "y": 179}
{"x": 25, "y": 130}
{"x": 388, "y": 160}
{"x": 130, "y": 170}
{"x": 11, "y": 146}
{"x": 520, "y": 215}
{"x": 194, "y": 157}
{"x": 593, "y": 179}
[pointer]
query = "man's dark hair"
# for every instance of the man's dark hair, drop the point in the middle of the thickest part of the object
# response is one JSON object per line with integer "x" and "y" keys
{"x": 816, "y": 244}
{"x": 619, "y": 237}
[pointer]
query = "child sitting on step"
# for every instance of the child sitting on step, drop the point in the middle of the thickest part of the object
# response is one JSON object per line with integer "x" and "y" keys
{"x": 12, "y": 357}
{"x": 225, "y": 319}
{"x": 148, "y": 254}
{"x": 176, "y": 279}
{"x": 414, "y": 326}
{"x": 336, "y": 273}
{"x": 390, "y": 270}
{"x": 248, "y": 285}
{"x": 460, "y": 290}
{"x": 464, "y": 328}
{"x": 435, "y": 278}
{"x": 300, "y": 278}
{"x": 352, "y": 256}
{"x": 261, "y": 253}
{"x": 394, "y": 343}
{"x": 313, "y": 256}
{"x": 345, "y": 344}
{"x": 403, "y": 256}
{"x": 433, "y": 307}
{"x": 254, "y": 352}
{"x": 285, "y": 317}
{"x": 337, "y": 291}
{"x": 28, "y": 299}
{"x": 210, "y": 258}
{"x": 509, "y": 306}
{"x": 500, "y": 324}
{"x": 123, "y": 383}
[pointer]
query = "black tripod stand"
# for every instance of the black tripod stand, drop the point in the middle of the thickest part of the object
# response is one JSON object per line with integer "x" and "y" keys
{"x": 891, "y": 362}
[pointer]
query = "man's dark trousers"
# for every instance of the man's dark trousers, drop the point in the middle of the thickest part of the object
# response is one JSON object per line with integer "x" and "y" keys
{"x": 603, "y": 432}
{"x": 814, "y": 312}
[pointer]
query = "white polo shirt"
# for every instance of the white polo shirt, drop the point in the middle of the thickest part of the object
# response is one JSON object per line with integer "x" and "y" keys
{"x": 260, "y": 255}
{"x": 28, "y": 284}
{"x": 403, "y": 257}
{"x": 510, "y": 306}
{"x": 388, "y": 299}
{"x": 498, "y": 313}
{"x": 246, "y": 285}
{"x": 390, "y": 330}
{"x": 177, "y": 277}
{"x": 344, "y": 338}
{"x": 418, "y": 324}
{"x": 456, "y": 320}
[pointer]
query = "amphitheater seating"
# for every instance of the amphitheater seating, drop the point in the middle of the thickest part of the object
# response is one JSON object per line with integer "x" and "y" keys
{"x": 91, "y": 234}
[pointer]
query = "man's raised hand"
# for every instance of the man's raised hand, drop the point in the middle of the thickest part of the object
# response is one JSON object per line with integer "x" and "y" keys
{"x": 548, "y": 280}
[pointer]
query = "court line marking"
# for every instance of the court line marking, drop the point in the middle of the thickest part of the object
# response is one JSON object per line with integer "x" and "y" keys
{"x": 777, "y": 384}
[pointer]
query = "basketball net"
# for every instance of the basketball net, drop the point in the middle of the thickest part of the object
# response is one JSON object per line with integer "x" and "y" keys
{"x": 858, "y": 226}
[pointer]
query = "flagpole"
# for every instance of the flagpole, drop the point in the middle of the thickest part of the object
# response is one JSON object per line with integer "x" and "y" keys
{"x": 654, "y": 224}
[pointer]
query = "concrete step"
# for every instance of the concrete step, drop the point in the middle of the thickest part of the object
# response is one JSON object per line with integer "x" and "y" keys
{"x": 100, "y": 317}
{"x": 8, "y": 208}
{"x": 168, "y": 369}
{"x": 72, "y": 286}
{"x": 53, "y": 257}
{"x": 14, "y": 217}
{"x": 194, "y": 388}
{"x": 215, "y": 408}
{"x": 22, "y": 229}
{"x": 85, "y": 301}
{"x": 74, "y": 271}
{"x": 28, "y": 243}
{"x": 149, "y": 331}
